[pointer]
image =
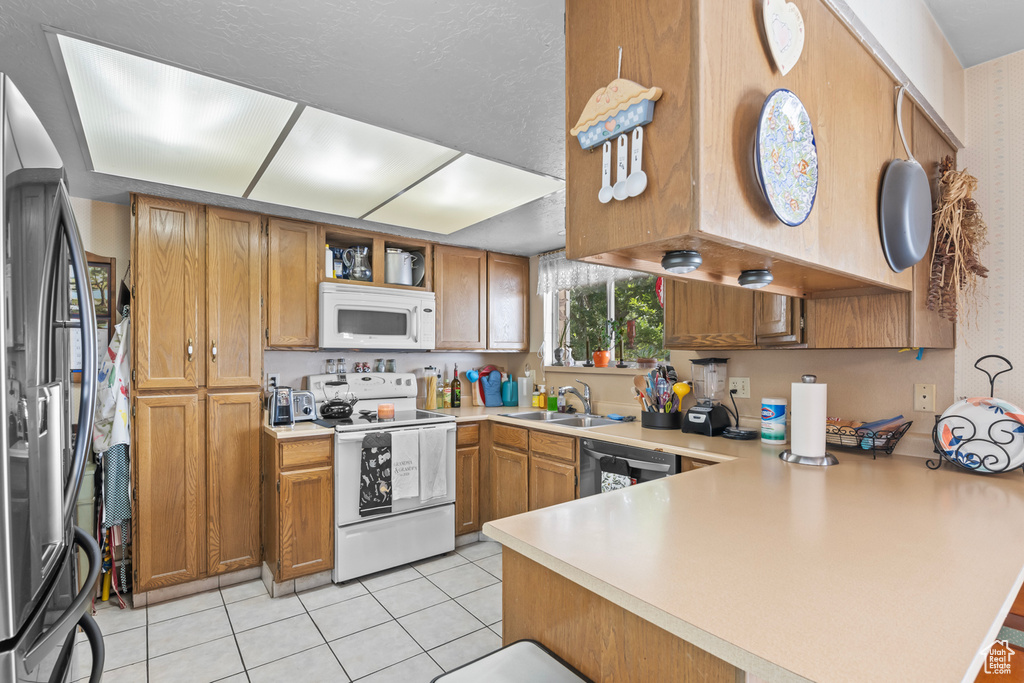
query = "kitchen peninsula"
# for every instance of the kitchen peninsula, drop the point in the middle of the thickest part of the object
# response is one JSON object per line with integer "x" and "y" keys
{"x": 866, "y": 571}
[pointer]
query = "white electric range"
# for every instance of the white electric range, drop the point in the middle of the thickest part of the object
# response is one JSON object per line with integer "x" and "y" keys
{"x": 408, "y": 529}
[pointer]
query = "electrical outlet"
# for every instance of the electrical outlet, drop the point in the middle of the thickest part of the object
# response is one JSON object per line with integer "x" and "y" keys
{"x": 273, "y": 381}
{"x": 924, "y": 398}
{"x": 741, "y": 385}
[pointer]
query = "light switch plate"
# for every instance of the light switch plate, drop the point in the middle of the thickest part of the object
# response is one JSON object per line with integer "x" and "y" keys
{"x": 924, "y": 398}
{"x": 741, "y": 385}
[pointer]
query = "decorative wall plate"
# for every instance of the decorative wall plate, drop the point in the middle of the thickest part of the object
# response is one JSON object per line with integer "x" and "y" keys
{"x": 784, "y": 26}
{"x": 983, "y": 434}
{"x": 786, "y": 157}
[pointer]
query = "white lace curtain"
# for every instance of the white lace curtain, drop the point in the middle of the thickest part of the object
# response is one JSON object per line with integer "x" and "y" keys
{"x": 555, "y": 272}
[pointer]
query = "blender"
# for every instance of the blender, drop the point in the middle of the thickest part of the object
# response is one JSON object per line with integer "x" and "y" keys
{"x": 709, "y": 417}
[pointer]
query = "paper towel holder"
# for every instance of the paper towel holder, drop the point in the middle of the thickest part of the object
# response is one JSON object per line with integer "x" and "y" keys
{"x": 818, "y": 460}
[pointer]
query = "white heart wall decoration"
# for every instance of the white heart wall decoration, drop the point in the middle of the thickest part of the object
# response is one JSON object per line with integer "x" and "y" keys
{"x": 784, "y": 26}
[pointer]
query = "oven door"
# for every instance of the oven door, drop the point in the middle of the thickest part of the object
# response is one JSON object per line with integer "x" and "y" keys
{"x": 371, "y": 320}
{"x": 348, "y": 450}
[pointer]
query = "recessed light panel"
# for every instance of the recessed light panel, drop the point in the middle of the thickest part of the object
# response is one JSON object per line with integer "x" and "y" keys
{"x": 465, "y": 192}
{"x": 151, "y": 121}
{"x": 336, "y": 165}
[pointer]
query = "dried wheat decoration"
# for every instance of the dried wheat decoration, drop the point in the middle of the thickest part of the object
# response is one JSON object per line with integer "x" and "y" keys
{"x": 959, "y": 236}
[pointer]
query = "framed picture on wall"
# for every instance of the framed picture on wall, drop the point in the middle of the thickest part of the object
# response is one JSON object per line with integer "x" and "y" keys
{"x": 102, "y": 271}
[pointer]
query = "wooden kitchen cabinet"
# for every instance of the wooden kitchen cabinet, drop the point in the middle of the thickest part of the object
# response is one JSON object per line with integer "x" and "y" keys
{"x": 508, "y": 302}
{"x": 168, "y": 297}
{"x": 483, "y": 300}
{"x": 700, "y": 315}
{"x": 294, "y": 262}
{"x": 233, "y": 347}
{"x": 298, "y": 506}
{"x": 196, "y": 483}
{"x": 551, "y": 482}
{"x": 510, "y": 483}
{"x": 467, "y": 479}
{"x": 233, "y": 481}
{"x": 460, "y": 288}
{"x": 168, "y": 491}
{"x": 778, "y": 319}
{"x": 702, "y": 193}
{"x": 894, "y": 320}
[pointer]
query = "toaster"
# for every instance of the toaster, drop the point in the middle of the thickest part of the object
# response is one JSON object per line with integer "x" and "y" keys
{"x": 303, "y": 406}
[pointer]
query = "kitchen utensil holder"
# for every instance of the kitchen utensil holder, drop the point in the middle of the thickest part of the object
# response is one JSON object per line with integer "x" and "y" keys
{"x": 862, "y": 439}
{"x": 659, "y": 420}
{"x": 968, "y": 431}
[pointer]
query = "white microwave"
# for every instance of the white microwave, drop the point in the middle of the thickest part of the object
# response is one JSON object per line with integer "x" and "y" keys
{"x": 361, "y": 317}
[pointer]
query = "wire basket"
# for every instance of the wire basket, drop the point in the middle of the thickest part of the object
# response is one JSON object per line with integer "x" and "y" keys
{"x": 866, "y": 440}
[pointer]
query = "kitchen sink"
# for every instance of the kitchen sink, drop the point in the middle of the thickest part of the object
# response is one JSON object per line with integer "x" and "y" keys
{"x": 585, "y": 421}
{"x": 539, "y": 416}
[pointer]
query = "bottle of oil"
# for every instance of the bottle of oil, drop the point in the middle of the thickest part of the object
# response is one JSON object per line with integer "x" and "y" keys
{"x": 456, "y": 389}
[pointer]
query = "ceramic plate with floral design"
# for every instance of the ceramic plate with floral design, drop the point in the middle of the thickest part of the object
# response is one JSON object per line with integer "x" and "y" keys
{"x": 983, "y": 434}
{"x": 786, "y": 157}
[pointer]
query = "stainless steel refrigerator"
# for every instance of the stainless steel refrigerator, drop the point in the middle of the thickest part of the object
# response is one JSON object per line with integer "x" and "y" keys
{"x": 42, "y": 461}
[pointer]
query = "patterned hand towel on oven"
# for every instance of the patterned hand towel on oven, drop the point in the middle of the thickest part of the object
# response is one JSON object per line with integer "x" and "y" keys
{"x": 433, "y": 464}
{"x": 405, "y": 464}
{"x": 375, "y": 475}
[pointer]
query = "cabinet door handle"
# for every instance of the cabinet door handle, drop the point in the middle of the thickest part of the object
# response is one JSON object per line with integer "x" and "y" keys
{"x": 189, "y": 349}
{"x": 213, "y": 350}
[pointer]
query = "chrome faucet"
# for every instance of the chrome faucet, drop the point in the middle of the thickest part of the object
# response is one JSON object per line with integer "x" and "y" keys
{"x": 584, "y": 397}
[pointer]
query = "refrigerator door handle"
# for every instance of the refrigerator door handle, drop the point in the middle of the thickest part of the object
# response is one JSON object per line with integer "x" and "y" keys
{"x": 52, "y": 637}
{"x": 62, "y": 223}
{"x": 95, "y": 638}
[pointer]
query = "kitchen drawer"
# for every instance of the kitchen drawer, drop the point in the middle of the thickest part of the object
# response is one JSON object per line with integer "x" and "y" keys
{"x": 688, "y": 464}
{"x": 512, "y": 437}
{"x": 467, "y": 435}
{"x": 305, "y": 453}
{"x": 553, "y": 445}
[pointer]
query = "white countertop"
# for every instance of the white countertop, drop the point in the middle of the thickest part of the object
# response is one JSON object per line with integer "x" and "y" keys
{"x": 870, "y": 570}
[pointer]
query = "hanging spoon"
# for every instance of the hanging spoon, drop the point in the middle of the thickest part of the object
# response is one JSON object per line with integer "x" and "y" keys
{"x": 605, "y": 195}
{"x": 637, "y": 181}
{"x": 619, "y": 190}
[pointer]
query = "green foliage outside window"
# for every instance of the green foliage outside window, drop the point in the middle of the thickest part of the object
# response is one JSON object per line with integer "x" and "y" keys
{"x": 635, "y": 299}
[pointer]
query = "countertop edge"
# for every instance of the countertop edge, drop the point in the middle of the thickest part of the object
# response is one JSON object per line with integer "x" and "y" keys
{"x": 723, "y": 649}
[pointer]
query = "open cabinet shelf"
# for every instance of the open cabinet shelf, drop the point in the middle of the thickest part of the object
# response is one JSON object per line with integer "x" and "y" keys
{"x": 378, "y": 244}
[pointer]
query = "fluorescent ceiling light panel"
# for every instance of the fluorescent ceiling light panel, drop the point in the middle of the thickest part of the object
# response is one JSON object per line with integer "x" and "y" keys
{"x": 336, "y": 165}
{"x": 463, "y": 193}
{"x": 150, "y": 121}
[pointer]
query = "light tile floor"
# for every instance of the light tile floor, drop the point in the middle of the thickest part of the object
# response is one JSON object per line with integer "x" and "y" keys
{"x": 405, "y": 625}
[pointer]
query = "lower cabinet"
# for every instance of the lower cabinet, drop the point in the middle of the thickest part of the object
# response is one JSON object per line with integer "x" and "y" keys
{"x": 298, "y": 506}
{"x": 511, "y": 476}
{"x": 467, "y": 479}
{"x": 196, "y": 486}
{"x": 551, "y": 482}
{"x": 531, "y": 469}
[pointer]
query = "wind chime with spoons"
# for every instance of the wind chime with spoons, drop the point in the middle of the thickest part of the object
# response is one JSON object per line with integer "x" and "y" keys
{"x": 612, "y": 112}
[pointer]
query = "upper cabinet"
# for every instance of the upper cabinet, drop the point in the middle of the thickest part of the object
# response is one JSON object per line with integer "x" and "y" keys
{"x": 197, "y": 296}
{"x": 460, "y": 287}
{"x": 233, "y": 299}
{"x": 166, "y": 277}
{"x": 483, "y": 300}
{"x": 700, "y": 315}
{"x": 295, "y": 256}
{"x": 508, "y": 302}
{"x": 702, "y": 193}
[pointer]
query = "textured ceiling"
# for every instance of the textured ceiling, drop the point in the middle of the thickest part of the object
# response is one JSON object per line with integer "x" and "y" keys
{"x": 485, "y": 77}
{"x": 980, "y": 30}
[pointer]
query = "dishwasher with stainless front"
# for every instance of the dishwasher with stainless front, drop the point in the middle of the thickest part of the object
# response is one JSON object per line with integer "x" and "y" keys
{"x": 606, "y": 466}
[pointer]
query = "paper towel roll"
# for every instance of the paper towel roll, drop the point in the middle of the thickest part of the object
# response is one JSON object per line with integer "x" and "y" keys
{"x": 807, "y": 427}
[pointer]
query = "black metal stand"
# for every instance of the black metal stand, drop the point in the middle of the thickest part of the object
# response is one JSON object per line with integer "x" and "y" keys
{"x": 983, "y": 453}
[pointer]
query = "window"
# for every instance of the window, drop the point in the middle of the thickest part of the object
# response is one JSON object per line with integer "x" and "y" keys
{"x": 588, "y": 308}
